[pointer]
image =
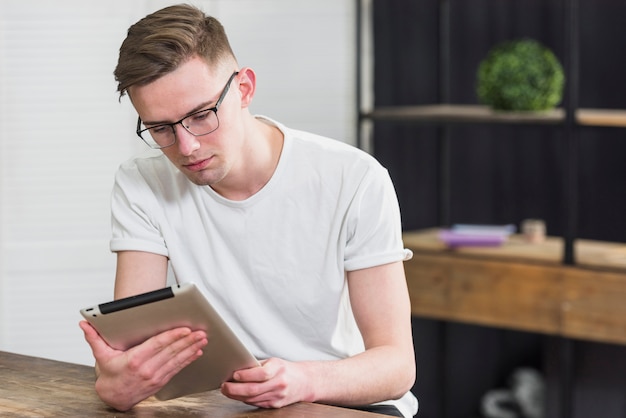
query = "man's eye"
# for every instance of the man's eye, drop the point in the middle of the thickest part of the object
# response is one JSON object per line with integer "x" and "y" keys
{"x": 198, "y": 117}
{"x": 158, "y": 130}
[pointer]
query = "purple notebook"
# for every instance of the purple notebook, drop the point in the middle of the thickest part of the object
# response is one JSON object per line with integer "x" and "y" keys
{"x": 467, "y": 239}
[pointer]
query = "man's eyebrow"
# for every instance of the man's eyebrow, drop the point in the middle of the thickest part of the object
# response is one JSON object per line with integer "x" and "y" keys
{"x": 202, "y": 106}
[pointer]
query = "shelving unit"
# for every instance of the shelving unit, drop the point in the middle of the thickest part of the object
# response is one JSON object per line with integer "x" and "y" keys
{"x": 569, "y": 117}
{"x": 439, "y": 284}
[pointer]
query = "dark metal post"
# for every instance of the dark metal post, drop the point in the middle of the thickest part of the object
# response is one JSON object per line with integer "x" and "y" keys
{"x": 359, "y": 77}
{"x": 572, "y": 61}
{"x": 444, "y": 97}
{"x": 571, "y": 131}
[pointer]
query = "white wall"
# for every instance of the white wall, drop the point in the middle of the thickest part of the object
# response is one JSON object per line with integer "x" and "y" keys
{"x": 63, "y": 133}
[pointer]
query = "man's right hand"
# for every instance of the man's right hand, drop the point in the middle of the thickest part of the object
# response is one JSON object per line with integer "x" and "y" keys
{"x": 125, "y": 378}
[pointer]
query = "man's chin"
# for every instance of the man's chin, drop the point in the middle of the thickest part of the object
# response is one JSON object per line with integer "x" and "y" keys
{"x": 199, "y": 181}
{"x": 202, "y": 180}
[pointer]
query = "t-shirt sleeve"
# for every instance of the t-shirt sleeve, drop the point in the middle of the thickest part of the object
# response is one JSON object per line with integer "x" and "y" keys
{"x": 134, "y": 213}
{"x": 374, "y": 230}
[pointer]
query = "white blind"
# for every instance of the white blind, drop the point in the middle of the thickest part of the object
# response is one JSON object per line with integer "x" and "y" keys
{"x": 63, "y": 133}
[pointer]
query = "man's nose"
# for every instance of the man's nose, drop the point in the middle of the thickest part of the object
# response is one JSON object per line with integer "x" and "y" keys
{"x": 186, "y": 141}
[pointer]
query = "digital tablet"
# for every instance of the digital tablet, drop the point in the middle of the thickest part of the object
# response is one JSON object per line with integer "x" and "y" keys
{"x": 127, "y": 322}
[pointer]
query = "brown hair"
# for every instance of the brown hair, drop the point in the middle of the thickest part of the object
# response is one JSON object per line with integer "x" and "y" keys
{"x": 157, "y": 44}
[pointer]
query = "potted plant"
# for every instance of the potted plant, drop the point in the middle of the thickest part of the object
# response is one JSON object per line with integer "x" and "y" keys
{"x": 520, "y": 75}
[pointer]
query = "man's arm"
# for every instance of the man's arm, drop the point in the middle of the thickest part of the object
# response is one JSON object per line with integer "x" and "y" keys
{"x": 125, "y": 378}
{"x": 139, "y": 272}
{"x": 385, "y": 370}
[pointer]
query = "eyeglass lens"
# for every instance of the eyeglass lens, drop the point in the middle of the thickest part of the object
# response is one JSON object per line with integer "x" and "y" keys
{"x": 197, "y": 124}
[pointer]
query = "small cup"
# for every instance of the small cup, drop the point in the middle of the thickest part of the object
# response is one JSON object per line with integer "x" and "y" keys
{"x": 534, "y": 230}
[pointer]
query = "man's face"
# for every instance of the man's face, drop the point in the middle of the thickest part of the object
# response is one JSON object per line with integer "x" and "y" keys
{"x": 194, "y": 86}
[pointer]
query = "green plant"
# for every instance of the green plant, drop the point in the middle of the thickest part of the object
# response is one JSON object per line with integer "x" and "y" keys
{"x": 520, "y": 75}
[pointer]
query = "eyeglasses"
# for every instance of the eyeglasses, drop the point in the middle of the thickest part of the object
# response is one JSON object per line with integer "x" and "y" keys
{"x": 199, "y": 123}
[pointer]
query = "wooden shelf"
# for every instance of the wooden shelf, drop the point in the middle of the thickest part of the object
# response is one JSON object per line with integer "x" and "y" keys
{"x": 589, "y": 253}
{"x": 462, "y": 114}
{"x": 446, "y": 113}
{"x": 521, "y": 286}
{"x": 601, "y": 117}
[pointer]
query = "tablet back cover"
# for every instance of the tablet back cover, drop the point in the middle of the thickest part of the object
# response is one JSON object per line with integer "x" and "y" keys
{"x": 127, "y": 322}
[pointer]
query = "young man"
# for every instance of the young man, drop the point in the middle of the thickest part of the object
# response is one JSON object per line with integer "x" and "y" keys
{"x": 294, "y": 238}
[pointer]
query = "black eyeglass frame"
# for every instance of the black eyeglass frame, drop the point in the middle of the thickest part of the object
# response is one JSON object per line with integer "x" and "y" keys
{"x": 214, "y": 109}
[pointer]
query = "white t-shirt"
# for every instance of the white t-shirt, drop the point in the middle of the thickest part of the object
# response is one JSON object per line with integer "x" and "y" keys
{"x": 272, "y": 265}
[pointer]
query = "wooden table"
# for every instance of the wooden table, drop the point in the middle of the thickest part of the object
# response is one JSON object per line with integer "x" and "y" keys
{"x": 35, "y": 387}
{"x": 521, "y": 286}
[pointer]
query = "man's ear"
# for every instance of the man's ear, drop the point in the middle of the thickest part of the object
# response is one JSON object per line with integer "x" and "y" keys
{"x": 247, "y": 85}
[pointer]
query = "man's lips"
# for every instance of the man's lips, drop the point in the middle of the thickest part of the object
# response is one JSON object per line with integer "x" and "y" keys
{"x": 197, "y": 165}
